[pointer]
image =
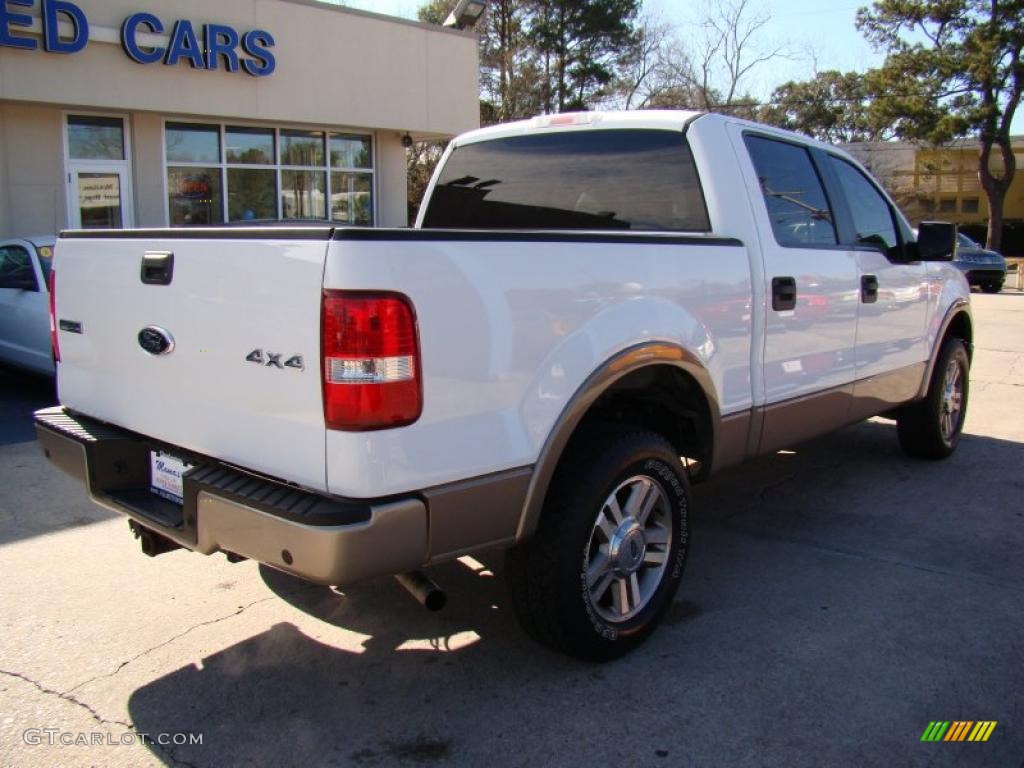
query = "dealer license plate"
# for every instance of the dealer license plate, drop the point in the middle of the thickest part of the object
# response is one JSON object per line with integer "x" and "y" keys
{"x": 165, "y": 473}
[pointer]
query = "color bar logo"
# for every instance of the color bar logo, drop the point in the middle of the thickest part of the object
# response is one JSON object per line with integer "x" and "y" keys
{"x": 958, "y": 730}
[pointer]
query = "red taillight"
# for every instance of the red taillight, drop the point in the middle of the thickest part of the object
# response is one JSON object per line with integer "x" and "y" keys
{"x": 54, "y": 342}
{"x": 371, "y": 366}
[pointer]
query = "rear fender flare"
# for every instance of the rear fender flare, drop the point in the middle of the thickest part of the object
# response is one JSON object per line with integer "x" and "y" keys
{"x": 622, "y": 364}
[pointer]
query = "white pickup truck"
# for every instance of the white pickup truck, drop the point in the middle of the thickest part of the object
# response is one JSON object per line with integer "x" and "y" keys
{"x": 592, "y": 312}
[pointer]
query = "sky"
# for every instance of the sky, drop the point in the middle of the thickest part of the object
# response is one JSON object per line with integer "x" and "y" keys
{"x": 821, "y": 37}
{"x": 827, "y": 30}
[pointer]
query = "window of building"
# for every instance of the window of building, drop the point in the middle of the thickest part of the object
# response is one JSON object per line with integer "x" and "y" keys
{"x": 602, "y": 179}
{"x": 796, "y": 201}
{"x": 96, "y": 158}
{"x": 947, "y": 205}
{"x": 218, "y": 173}
{"x": 969, "y": 205}
{"x": 872, "y": 217}
{"x": 194, "y": 179}
{"x": 95, "y": 138}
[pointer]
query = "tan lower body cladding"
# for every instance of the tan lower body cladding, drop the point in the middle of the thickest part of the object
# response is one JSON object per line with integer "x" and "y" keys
{"x": 766, "y": 429}
{"x": 485, "y": 512}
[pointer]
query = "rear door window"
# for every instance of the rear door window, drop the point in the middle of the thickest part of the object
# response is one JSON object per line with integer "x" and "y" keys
{"x": 793, "y": 192}
{"x": 592, "y": 179}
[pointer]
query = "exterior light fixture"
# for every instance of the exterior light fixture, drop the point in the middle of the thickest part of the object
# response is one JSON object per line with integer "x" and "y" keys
{"x": 466, "y": 14}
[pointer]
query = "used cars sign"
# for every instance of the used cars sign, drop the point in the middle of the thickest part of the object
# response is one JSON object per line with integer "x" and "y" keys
{"x": 213, "y": 46}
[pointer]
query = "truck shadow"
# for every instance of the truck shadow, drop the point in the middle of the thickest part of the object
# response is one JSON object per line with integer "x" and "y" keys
{"x": 286, "y": 697}
{"x": 803, "y": 561}
{"x": 21, "y": 394}
{"x": 35, "y": 497}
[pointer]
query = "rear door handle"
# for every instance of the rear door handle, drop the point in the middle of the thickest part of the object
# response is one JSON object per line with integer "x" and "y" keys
{"x": 868, "y": 289}
{"x": 783, "y": 293}
{"x": 157, "y": 268}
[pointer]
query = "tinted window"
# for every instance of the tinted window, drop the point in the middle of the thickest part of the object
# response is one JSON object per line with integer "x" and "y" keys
{"x": 793, "y": 193}
{"x": 16, "y": 269}
{"x": 872, "y": 217}
{"x": 596, "y": 179}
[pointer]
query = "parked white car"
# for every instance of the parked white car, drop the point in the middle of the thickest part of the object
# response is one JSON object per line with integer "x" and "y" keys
{"x": 25, "y": 303}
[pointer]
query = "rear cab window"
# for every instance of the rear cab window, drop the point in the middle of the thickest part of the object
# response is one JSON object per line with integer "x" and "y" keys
{"x": 599, "y": 179}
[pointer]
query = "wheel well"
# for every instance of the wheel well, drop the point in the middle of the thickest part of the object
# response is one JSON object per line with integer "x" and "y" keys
{"x": 664, "y": 399}
{"x": 960, "y": 328}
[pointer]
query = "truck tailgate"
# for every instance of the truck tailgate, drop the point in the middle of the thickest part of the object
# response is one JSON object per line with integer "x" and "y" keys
{"x": 238, "y": 307}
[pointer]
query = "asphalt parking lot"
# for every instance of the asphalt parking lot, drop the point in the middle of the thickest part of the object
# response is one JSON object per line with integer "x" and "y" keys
{"x": 839, "y": 597}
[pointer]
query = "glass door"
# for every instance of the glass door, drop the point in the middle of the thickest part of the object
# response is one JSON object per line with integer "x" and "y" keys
{"x": 98, "y": 199}
{"x": 99, "y": 179}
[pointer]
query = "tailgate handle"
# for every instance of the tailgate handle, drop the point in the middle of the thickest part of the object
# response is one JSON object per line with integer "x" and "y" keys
{"x": 157, "y": 267}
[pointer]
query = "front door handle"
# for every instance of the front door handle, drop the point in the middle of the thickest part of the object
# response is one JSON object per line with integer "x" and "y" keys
{"x": 868, "y": 289}
{"x": 783, "y": 293}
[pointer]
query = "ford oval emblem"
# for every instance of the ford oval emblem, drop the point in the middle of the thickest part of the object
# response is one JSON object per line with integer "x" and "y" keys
{"x": 156, "y": 341}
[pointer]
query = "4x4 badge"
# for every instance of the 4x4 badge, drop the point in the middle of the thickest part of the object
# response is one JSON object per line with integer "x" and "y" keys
{"x": 273, "y": 360}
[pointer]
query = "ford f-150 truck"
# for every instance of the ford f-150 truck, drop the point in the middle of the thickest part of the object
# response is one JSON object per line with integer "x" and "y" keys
{"x": 592, "y": 312}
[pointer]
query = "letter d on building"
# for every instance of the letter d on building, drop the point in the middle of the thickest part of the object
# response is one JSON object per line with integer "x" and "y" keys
{"x": 52, "y": 41}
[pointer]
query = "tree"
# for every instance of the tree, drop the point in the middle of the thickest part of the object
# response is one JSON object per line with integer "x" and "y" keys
{"x": 637, "y": 80}
{"x": 706, "y": 67}
{"x": 508, "y": 65}
{"x": 578, "y": 46}
{"x": 953, "y": 69}
{"x": 832, "y": 106}
{"x": 730, "y": 50}
{"x": 420, "y": 161}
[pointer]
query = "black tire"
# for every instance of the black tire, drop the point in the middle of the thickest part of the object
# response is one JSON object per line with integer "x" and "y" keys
{"x": 992, "y": 287}
{"x": 920, "y": 427}
{"x": 548, "y": 575}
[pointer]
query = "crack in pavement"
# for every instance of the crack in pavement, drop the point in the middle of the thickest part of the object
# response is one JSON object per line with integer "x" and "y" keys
{"x": 66, "y": 696}
{"x": 165, "y": 749}
{"x": 241, "y": 609}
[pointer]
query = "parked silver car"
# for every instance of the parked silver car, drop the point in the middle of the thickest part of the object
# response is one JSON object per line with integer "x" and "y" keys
{"x": 980, "y": 266}
{"x": 25, "y": 303}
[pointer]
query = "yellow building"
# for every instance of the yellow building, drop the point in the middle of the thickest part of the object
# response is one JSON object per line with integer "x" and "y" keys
{"x": 941, "y": 182}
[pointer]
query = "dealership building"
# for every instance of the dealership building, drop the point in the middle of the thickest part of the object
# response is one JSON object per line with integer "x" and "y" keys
{"x": 151, "y": 113}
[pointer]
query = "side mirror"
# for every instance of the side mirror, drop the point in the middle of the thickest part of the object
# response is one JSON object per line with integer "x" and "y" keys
{"x": 936, "y": 241}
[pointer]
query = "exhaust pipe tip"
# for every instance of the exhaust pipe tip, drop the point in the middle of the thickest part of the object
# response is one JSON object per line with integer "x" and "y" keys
{"x": 422, "y": 587}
